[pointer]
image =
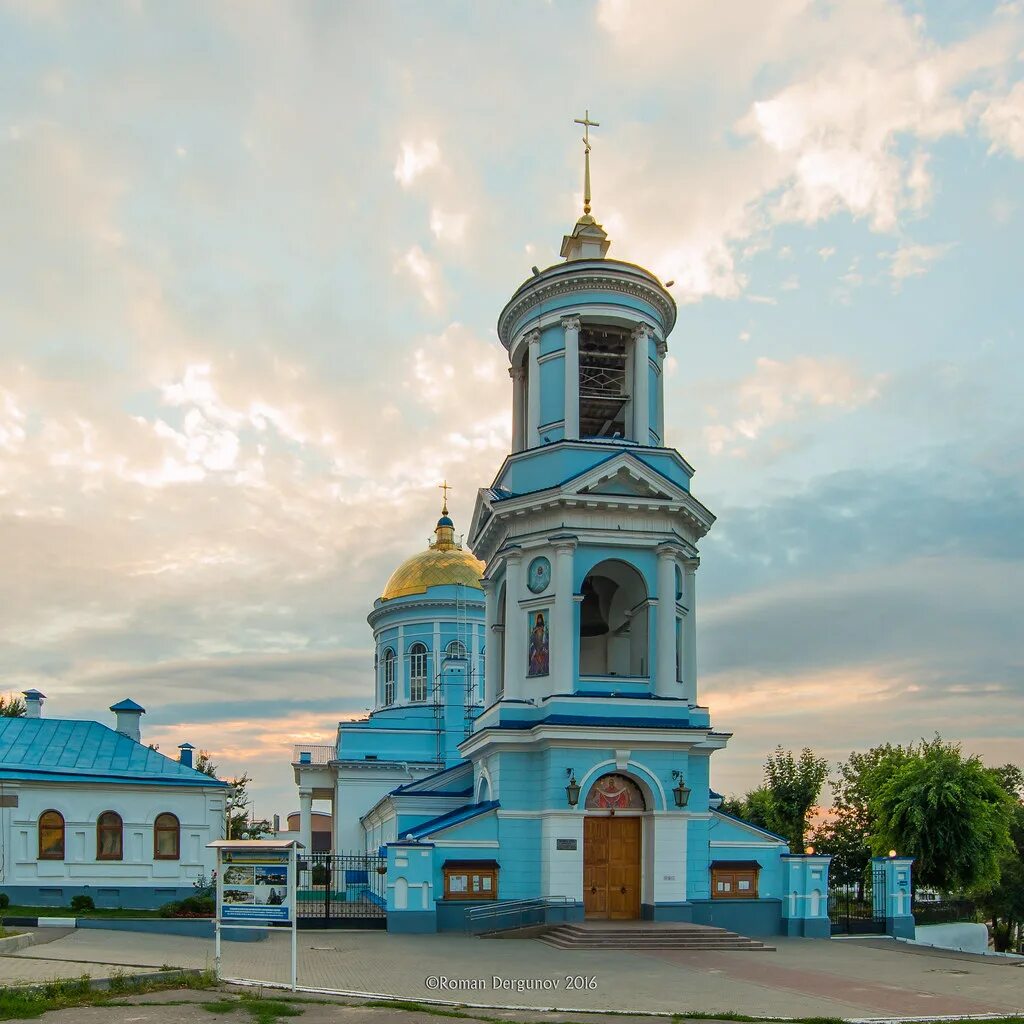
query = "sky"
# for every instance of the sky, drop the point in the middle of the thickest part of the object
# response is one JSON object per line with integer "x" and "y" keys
{"x": 253, "y": 257}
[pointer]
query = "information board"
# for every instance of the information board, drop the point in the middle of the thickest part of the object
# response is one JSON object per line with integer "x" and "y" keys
{"x": 255, "y": 885}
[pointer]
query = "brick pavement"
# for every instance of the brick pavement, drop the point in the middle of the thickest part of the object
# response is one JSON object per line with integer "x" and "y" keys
{"x": 802, "y": 978}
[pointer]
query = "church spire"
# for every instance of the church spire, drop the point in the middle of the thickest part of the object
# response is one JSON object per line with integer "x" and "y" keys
{"x": 587, "y": 125}
{"x": 588, "y": 239}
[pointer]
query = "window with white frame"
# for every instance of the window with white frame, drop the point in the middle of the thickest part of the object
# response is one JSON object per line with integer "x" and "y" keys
{"x": 389, "y": 677}
{"x": 456, "y": 649}
{"x": 417, "y": 672}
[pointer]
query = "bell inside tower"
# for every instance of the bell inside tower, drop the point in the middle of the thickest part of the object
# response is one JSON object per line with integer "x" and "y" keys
{"x": 604, "y": 394}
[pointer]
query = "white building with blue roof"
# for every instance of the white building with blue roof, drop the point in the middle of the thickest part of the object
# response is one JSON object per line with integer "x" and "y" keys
{"x": 89, "y": 809}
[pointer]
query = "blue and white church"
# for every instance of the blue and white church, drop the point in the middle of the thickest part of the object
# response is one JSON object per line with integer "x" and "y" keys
{"x": 538, "y": 731}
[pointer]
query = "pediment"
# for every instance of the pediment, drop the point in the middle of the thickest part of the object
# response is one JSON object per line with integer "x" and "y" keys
{"x": 627, "y": 477}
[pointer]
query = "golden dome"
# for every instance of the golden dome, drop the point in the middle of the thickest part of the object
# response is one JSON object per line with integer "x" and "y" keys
{"x": 444, "y": 563}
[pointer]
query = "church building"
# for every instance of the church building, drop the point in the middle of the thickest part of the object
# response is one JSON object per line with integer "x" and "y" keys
{"x": 538, "y": 731}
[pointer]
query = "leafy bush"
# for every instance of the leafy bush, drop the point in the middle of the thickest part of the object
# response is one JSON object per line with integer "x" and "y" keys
{"x": 80, "y": 903}
{"x": 5, "y": 901}
{"x": 191, "y": 906}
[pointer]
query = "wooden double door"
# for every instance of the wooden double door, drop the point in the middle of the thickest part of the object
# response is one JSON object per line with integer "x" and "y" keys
{"x": 611, "y": 867}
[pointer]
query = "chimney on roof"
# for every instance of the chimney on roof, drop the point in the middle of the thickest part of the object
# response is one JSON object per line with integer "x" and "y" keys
{"x": 33, "y": 703}
{"x": 185, "y": 754}
{"x": 128, "y": 716}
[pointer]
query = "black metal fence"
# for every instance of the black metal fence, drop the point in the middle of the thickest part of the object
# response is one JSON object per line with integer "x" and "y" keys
{"x": 859, "y": 909}
{"x": 944, "y": 911}
{"x": 342, "y": 891}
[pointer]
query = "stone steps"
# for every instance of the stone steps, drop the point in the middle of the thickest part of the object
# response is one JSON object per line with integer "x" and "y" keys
{"x": 639, "y": 936}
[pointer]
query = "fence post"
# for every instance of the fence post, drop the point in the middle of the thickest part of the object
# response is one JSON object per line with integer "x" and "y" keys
{"x": 805, "y": 895}
{"x": 899, "y": 912}
{"x": 410, "y": 887}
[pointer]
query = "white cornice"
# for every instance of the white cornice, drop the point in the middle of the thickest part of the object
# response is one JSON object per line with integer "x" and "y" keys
{"x": 586, "y": 275}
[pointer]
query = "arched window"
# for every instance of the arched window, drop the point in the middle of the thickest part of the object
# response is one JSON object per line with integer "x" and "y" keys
{"x": 456, "y": 649}
{"x": 389, "y": 677}
{"x": 613, "y": 622}
{"x": 417, "y": 672}
{"x": 51, "y": 835}
{"x": 109, "y": 836}
{"x": 166, "y": 837}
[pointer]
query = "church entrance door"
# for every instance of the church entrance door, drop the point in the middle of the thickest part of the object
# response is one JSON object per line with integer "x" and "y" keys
{"x": 611, "y": 867}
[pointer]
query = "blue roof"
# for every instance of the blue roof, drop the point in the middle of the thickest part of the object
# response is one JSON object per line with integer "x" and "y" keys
{"x": 456, "y": 817}
{"x": 127, "y": 705}
{"x": 60, "y": 749}
{"x": 750, "y": 824}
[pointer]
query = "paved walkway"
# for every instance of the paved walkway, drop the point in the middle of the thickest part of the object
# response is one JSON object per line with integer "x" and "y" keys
{"x": 802, "y": 978}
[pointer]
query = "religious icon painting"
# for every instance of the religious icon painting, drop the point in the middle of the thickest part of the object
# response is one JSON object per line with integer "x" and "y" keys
{"x": 540, "y": 656}
{"x": 614, "y": 792}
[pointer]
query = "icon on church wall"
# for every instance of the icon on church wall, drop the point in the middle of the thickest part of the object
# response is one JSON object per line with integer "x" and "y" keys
{"x": 539, "y": 575}
{"x": 539, "y": 654}
{"x": 615, "y": 792}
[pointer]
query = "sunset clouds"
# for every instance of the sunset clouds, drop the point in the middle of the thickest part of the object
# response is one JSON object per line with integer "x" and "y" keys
{"x": 253, "y": 257}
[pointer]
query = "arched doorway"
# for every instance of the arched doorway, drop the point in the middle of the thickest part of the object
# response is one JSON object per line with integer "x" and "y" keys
{"x": 612, "y": 832}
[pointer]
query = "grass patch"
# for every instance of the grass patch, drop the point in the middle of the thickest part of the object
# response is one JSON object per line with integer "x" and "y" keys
{"x": 262, "y": 1011}
{"x": 16, "y": 910}
{"x": 28, "y": 1003}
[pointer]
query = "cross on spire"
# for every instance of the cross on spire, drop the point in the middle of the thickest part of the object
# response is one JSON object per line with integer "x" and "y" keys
{"x": 446, "y": 487}
{"x": 587, "y": 125}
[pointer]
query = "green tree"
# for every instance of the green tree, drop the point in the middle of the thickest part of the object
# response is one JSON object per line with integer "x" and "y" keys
{"x": 793, "y": 784}
{"x": 756, "y": 807}
{"x": 949, "y": 813}
{"x": 1004, "y": 902}
{"x": 847, "y": 833}
{"x": 239, "y": 823}
{"x": 11, "y": 706}
{"x": 204, "y": 764}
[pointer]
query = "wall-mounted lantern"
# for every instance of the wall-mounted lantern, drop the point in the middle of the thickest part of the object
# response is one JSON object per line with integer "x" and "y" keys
{"x": 572, "y": 790}
{"x": 681, "y": 791}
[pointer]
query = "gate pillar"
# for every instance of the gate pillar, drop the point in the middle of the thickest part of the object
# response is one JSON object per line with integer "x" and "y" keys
{"x": 896, "y": 904}
{"x": 410, "y": 887}
{"x": 805, "y": 895}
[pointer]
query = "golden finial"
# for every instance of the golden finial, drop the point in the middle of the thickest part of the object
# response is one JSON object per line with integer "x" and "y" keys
{"x": 587, "y": 125}
{"x": 446, "y": 487}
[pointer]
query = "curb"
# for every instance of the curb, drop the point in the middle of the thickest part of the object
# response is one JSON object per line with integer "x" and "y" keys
{"x": 12, "y": 943}
{"x": 103, "y": 984}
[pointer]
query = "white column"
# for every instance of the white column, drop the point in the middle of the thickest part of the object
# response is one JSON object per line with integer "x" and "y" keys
{"x": 492, "y": 649}
{"x": 690, "y": 640}
{"x": 665, "y": 644}
{"x": 641, "y": 380}
{"x": 400, "y": 666}
{"x": 533, "y": 390}
{"x": 474, "y": 663}
{"x": 571, "y": 325}
{"x": 337, "y": 844}
{"x": 518, "y": 379}
{"x": 562, "y": 632}
{"x": 515, "y": 632}
{"x": 306, "y": 819}
{"x": 662, "y": 351}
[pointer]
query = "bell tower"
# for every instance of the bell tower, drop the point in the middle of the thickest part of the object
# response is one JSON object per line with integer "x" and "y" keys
{"x": 590, "y": 532}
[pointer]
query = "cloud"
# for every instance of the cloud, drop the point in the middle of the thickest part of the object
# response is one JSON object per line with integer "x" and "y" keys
{"x": 415, "y": 159}
{"x": 1003, "y": 122}
{"x": 911, "y": 260}
{"x": 425, "y": 274}
{"x": 781, "y": 391}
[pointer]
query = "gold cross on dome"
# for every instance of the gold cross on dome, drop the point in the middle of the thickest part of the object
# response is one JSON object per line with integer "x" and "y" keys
{"x": 587, "y": 125}
{"x": 446, "y": 487}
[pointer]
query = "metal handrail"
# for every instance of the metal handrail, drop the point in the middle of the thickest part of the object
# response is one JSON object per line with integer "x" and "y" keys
{"x": 515, "y": 907}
